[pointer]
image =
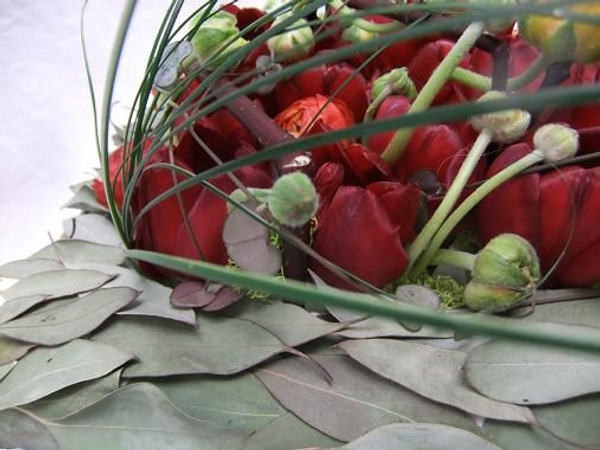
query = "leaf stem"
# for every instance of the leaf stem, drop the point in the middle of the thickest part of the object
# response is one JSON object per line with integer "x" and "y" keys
{"x": 471, "y": 201}
{"x": 484, "y": 84}
{"x": 433, "y": 86}
{"x": 422, "y": 241}
{"x": 456, "y": 258}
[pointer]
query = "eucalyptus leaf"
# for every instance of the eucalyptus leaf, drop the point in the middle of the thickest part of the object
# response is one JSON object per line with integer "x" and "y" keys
{"x": 572, "y": 421}
{"x": 6, "y": 368}
{"x": 25, "y": 267}
{"x": 356, "y": 402}
{"x": 140, "y": 417}
{"x": 17, "y": 306}
{"x": 581, "y": 312}
{"x": 47, "y": 370}
{"x": 66, "y": 322}
{"x": 85, "y": 200}
{"x": 154, "y": 298}
{"x": 288, "y": 432}
{"x": 92, "y": 228}
{"x": 529, "y": 374}
{"x": 20, "y": 431}
{"x": 240, "y": 401}
{"x": 290, "y": 323}
{"x": 71, "y": 399}
{"x": 432, "y": 372}
{"x": 218, "y": 346}
{"x": 75, "y": 252}
{"x": 419, "y": 436}
{"x": 57, "y": 283}
{"x": 11, "y": 349}
{"x": 373, "y": 327}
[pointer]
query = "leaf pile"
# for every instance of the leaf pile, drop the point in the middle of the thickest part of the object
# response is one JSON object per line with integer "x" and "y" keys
{"x": 88, "y": 347}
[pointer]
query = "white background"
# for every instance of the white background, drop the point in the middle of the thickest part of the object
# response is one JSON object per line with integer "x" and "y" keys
{"x": 46, "y": 123}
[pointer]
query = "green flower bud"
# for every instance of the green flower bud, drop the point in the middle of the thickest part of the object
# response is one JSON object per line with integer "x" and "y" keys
{"x": 507, "y": 126}
{"x": 216, "y": 38}
{"x": 491, "y": 298}
{"x": 293, "y": 199}
{"x": 505, "y": 272}
{"x": 396, "y": 81}
{"x": 357, "y": 34}
{"x": 294, "y": 43}
{"x": 556, "y": 141}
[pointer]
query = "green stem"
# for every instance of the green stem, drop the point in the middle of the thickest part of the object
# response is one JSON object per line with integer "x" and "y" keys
{"x": 470, "y": 202}
{"x": 439, "y": 216}
{"x": 583, "y": 338}
{"x": 484, "y": 84}
{"x": 433, "y": 86}
{"x": 376, "y": 103}
{"x": 456, "y": 258}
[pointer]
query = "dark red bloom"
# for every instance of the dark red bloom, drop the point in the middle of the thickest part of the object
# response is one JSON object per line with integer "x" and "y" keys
{"x": 557, "y": 211}
{"x": 362, "y": 229}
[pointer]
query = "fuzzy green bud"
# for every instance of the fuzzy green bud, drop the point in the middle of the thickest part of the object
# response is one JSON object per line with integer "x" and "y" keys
{"x": 357, "y": 34}
{"x": 505, "y": 272}
{"x": 216, "y": 38}
{"x": 396, "y": 81}
{"x": 507, "y": 126}
{"x": 556, "y": 141}
{"x": 294, "y": 43}
{"x": 293, "y": 199}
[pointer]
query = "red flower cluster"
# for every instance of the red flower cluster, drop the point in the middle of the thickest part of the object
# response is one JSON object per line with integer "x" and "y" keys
{"x": 369, "y": 211}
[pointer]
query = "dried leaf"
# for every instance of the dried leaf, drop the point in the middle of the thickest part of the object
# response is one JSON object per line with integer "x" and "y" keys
{"x": 17, "y": 306}
{"x": 47, "y": 370}
{"x": 74, "y": 252}
{"x": 431, "y": 372}
{"x": 290, "y": 323}
{"x": 69, "y": 321}
{"x": 20, "y": 431}
{"x": 247, "y": 243}
{"x": 138, "y": 417}
{"x": 71, "y": 399}
{"x": 356, "y": 402}
{"x": 25, "y": 267}
{"x": 419, "y": 436}
{"x": 218, "y": 346}
{"x": 57, "y": 283}
{"x": 530, "y": 374}
{"x": 192, "y": 294}
{"x": 11, "y": 350}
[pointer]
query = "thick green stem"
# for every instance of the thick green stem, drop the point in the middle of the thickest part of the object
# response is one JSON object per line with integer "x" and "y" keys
{"x": 433, "y": 86}
{"x": 470, "y": 202}
{"x": 456, "y": 258}
{"x": 441, "y": 213}
{"x": 376, "y": 103}
{"x": 484, "y": 84}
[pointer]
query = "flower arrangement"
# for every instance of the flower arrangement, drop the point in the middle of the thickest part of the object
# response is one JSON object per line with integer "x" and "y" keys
{"x": 391, "y": 193}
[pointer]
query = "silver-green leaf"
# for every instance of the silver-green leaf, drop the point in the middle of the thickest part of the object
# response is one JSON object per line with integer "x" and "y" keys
{"x": 47, "y": 370}
{"x": 419, "y": 436}
{"x": 432, "y": 372}
{"x": 54, "y": 326}
{"x": 529, "y": 374}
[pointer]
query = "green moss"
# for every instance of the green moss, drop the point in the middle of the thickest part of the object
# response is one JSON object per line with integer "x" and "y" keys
{"x": 450, "y": 292}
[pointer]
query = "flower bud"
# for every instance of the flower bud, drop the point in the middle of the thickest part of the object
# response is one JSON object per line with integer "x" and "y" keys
{"x": 505, "y": 272}
{"x": 397, "y": 81}
{"x": 556, "y": 141}
{"x": 562, "y": 38}
{"x": 293, "y": 199}
{"x": 507, "y": 126}
{"x": 294, "y": 43}
{"x": 215, "y": 38}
